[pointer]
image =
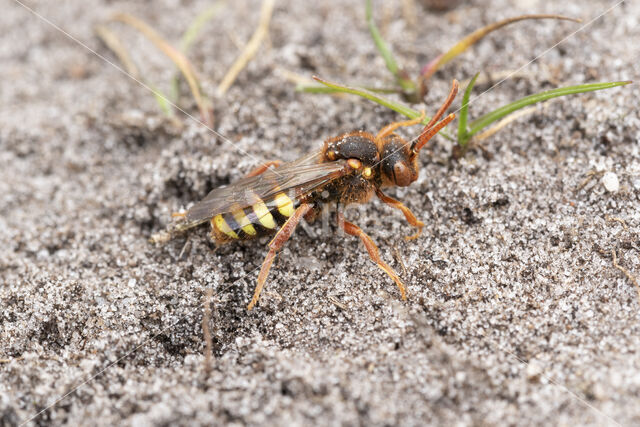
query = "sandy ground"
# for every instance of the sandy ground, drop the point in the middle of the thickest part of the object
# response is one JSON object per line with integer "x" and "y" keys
{"x": 516, "y": 313}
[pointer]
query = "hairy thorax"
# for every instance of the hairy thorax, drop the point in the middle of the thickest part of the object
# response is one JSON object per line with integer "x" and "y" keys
{"x": 363, "y": 156}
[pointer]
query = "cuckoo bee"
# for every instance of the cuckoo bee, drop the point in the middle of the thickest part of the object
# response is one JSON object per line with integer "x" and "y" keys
{"x": 350, "y": 168}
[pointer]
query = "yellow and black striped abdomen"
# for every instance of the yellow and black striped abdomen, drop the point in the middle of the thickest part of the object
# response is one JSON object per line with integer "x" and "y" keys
{"x": 256, "y": 220}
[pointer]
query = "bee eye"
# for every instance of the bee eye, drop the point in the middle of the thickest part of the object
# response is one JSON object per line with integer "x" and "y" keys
{"x": 402, "y": 175}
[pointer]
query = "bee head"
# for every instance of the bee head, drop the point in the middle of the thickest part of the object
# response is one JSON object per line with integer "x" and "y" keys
{"x": 399, "y": 166}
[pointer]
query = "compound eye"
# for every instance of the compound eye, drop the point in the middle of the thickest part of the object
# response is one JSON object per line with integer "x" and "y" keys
{"x": 402, "y": 175}
{"x": 354, "y": 164}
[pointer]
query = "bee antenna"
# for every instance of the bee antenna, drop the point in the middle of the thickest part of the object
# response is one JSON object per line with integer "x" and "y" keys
{"x": 432, "y": 127}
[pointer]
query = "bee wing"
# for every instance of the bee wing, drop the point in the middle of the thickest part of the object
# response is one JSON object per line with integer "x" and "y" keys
{"x": 297, "y": 178}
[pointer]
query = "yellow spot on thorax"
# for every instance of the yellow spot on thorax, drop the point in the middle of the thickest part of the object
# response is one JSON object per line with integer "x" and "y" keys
{"x": 354, "y": 164}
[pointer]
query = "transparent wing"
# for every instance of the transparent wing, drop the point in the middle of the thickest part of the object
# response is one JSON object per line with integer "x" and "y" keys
{"x": 297, "y": 178}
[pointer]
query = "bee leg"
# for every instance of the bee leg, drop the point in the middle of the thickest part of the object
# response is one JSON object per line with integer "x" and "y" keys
{"x": 274, "y": 246}
{"x": 411, "y": 218}
{"x": 371, "y": 247}
{"x": 263, "y": 168}
{"x": 388, "y": 129}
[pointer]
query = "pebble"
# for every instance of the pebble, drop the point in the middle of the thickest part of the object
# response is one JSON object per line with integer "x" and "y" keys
{"x": 611, "y": 182}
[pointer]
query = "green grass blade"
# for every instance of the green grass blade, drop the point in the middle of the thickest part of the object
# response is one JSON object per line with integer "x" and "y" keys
{"x": 380, "y": 100}
{"x": 464, "y": 113}
{"x": 178, "y": 58}
{"x": 162, "y": 100}
{"x": 484, "y": 121}
{"x": 395, "y": 106}
{"x": 324, "y": 89}
{"x": 384, "y": 50}
{"x": 402, "y": 79}
{"x": 191, "y": 33}
{"x": 317, "y": 89}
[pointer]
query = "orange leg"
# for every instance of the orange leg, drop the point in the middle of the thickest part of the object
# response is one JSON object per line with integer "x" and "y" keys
{"x": 371, "y": 247}
{"x": 263, "y": 168}
{"x": 274, "y": 246}
{"x": 411, "y": 218}
{"x": 388, "y": 129}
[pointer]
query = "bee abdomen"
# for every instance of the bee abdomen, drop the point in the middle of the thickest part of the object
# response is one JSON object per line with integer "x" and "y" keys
{"x": 253, "y": 221}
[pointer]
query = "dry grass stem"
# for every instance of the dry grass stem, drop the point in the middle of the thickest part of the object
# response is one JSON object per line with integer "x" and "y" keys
{"x": 112, "y": 41}
{"x": 337, "y": 303}
{"x": 626, "y": 272}
{"x": 295, "y": 78}
{"x": 590, "y": 175}
{"x": 176, "y": 56}
{"x": 398, "y": 258}
{"x": 250, "y": 48}
{"x": 206, "y": 318}
{"x": 478, "y": 35}
{"x": 618, "y": 220}
{"x": 504, "y": 122}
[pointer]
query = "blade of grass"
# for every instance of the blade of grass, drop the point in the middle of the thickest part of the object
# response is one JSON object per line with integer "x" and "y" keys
{"x": 192, "y": 32}
{"x": 476, "y": 36}
{"x": 112, "y": 41}
{"x": 162, "y": 100}
{"x": 380, "y": 100}
{"x": 306, "y": 85}
{"x": 177, "y": 57}
{"x": 250, "y": 48}
{"x": 504, "y": 122}
{"x": 407, "y": 85}
{"x": 190, "y": 35}
{"x": 464, "y": 112}
{"x": 323, "y": 89}
{"x": 484, "y": 121}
